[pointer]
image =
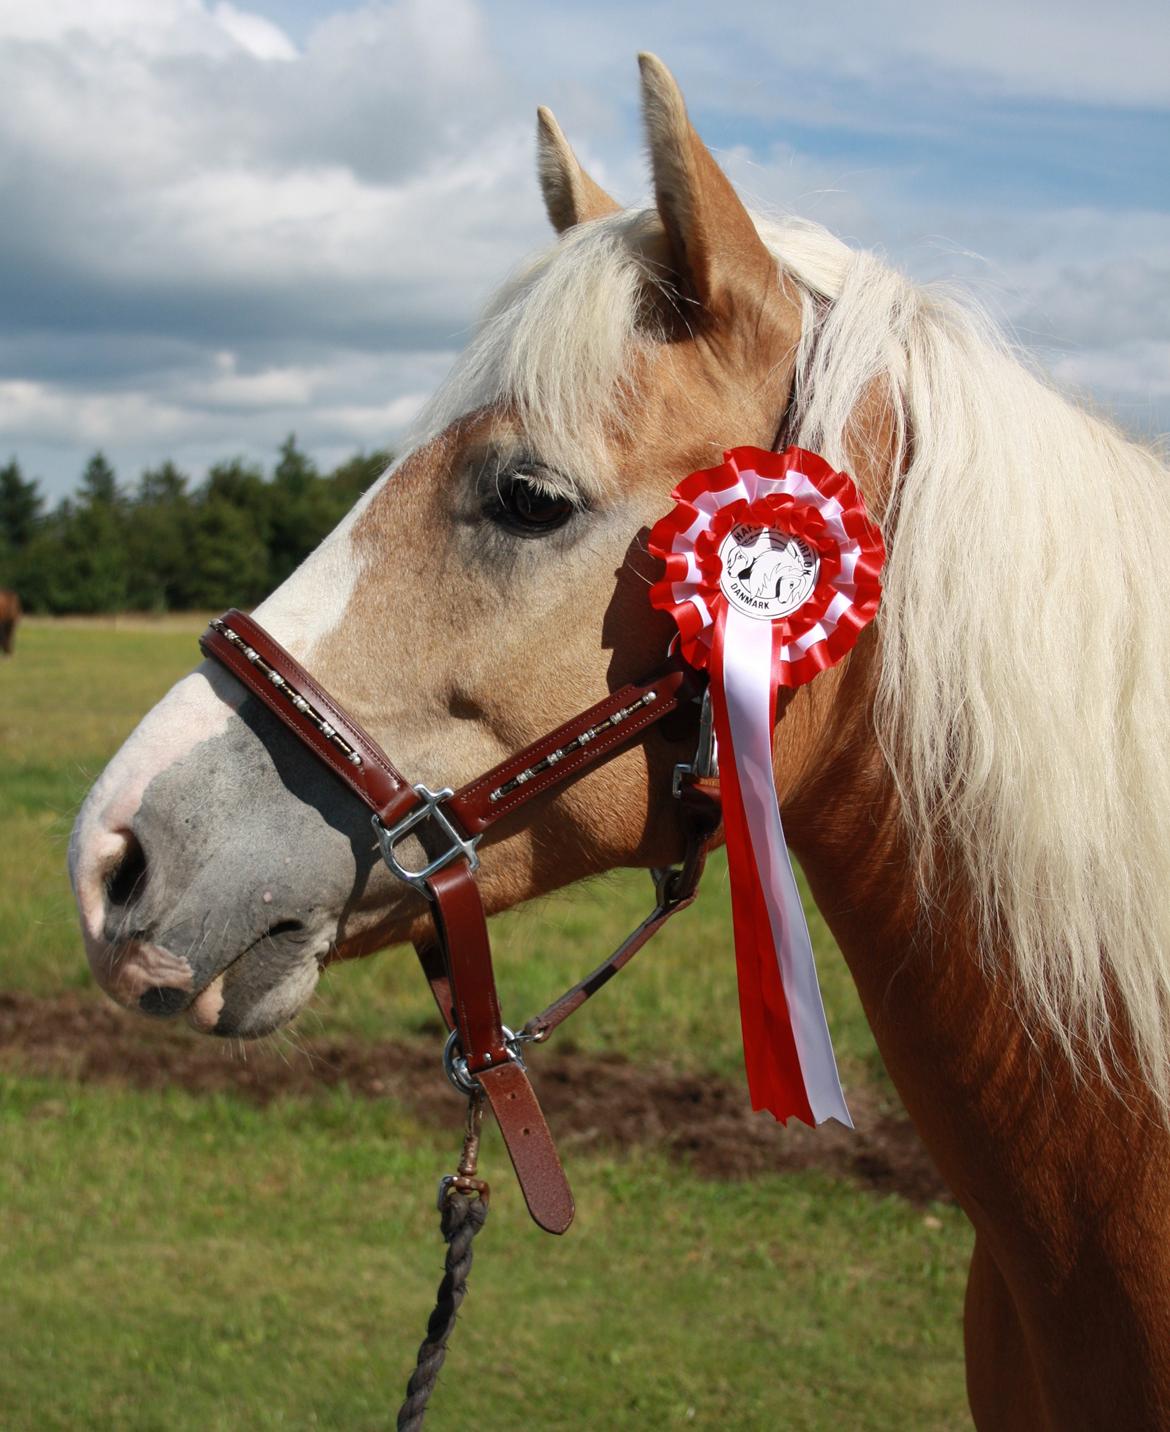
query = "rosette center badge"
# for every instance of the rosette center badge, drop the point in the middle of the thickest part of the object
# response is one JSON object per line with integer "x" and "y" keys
{"x": 765, "y": 573}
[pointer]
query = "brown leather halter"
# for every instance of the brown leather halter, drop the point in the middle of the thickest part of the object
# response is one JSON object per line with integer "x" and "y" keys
{"x": 482, "y": 1054}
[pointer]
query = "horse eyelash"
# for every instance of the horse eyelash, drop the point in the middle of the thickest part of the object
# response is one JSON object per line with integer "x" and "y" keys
{"x": 529, "y": 469}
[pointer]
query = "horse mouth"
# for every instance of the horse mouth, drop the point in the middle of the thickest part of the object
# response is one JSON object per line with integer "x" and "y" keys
{"x": 260, "y": 989}
{"x": 263, "y": 988}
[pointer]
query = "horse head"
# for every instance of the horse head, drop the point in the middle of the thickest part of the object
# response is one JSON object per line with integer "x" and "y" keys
{"x": 216, "y": 865}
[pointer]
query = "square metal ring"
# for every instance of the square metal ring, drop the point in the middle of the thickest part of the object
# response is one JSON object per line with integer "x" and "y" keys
{"x": 458, "y": 845}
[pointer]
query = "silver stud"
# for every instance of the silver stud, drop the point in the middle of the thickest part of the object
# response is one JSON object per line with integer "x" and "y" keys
{"x": 327, "y": 731}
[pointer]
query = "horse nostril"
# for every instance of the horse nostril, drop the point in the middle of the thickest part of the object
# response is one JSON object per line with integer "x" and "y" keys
{"x": 123, "y": 882}
{"x": 162, "y": 1000}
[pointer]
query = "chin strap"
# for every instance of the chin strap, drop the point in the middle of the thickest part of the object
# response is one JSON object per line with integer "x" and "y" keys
{"x": 482, "y": 1055}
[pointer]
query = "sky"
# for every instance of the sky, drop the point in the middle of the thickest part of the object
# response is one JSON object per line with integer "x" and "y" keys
{"x": 224, "y": 223}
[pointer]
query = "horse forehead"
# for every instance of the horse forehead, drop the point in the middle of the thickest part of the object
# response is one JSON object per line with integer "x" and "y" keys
{"x": 397, "y": 499}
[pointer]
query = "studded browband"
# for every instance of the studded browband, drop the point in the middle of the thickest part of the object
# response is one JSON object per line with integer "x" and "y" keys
{"x": 482, "y": 1053}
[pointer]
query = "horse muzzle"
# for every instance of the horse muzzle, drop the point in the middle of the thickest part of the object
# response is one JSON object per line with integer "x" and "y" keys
{"x": 189, "y": 870}
{"x": 182, "y": 970}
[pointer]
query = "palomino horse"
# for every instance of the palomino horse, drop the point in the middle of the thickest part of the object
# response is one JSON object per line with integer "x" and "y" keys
{"x": 980, "y": 795}
{"x": 9, "y": 616}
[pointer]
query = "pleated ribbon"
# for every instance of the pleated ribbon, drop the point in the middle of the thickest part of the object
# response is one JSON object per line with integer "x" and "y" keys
{"x": 772, "y": 572}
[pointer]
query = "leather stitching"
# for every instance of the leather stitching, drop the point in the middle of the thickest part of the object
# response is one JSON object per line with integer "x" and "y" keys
{"x": 555, "y": 774}
{"x": 277, "y": 704}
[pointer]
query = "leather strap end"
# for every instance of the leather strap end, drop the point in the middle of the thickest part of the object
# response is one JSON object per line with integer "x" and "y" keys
{"x": 530, "y": 1147}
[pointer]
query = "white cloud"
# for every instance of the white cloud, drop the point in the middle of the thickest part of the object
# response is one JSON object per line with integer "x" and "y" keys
{"x": 268, "y": 389}
{"x": 1130, "y": 382}
{"x": 48, "y": 413}
{"x": 260, "y": 37}
{"x": 149, "y": 27}
{"x": 370, "y": 423}
{"x": 1068, "y": 49}
{"x": 181, "y": 178}
{"x": 770, "y": 59}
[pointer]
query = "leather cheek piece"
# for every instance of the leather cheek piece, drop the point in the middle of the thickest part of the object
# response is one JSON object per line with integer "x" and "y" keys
{"x": 473, "y": 803}
{"x": 460, "y": 974}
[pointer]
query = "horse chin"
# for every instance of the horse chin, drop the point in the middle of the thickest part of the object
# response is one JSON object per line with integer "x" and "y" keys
{"x": 251, "y": 999}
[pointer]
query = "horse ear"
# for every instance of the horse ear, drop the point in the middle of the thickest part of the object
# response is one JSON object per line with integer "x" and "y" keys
{"x": 720, "y": 260}
{"x": 570, "y": 195}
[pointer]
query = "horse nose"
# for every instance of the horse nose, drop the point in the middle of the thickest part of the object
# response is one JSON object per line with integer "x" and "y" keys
{"x": 112, "y": 873}
{"x": 124, "y": 881}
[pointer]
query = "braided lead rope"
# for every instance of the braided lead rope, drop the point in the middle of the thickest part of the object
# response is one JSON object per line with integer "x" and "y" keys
{"x": 463, "y": 1210}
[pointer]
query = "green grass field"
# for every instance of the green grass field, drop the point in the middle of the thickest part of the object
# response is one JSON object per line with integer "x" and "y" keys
{"x": 174, "y": 1261}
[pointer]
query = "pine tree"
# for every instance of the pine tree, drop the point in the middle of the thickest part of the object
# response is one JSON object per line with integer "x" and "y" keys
{"x": 98, "y": 482}
{"x": 20, "y": 506}
{"x": 93, "y": 536}
{"x": 300, "y": 511}
{"x": 158, "y": 541}
{"x": 165, "y": 547}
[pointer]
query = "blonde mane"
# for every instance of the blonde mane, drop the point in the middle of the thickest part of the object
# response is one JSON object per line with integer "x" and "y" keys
{"x": 1025, "y": 673}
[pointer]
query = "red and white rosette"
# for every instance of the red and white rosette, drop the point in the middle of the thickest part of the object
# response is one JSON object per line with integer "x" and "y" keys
{"x": 772, "y": 572}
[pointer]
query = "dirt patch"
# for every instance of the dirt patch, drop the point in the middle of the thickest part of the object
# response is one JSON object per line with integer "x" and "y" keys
{"x": 591, "y": 1101}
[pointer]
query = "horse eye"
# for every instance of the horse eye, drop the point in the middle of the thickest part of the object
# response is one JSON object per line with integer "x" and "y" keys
{"x": 528, "y": 507}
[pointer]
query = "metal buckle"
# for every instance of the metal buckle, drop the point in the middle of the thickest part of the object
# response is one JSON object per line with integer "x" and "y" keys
{"x": 455, "y": 1062}
{"x": 665, "y": 878}
{"x": 431, "y": 809}
{"x": 706, "y": 758}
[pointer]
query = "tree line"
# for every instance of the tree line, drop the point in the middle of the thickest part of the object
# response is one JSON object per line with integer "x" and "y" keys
{"x": 168, "y": 544}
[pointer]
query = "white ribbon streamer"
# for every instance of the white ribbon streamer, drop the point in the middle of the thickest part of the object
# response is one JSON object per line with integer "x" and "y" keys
{"x": 747, "y": 678}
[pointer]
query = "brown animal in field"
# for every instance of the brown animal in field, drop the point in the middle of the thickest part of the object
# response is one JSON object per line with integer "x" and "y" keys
{"x": 9, "y": 616}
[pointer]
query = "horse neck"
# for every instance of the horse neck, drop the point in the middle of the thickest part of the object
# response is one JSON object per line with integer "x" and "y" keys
{"x": 1030, "y": 1149}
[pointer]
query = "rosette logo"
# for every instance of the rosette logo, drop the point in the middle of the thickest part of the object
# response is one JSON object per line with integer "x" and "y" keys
{"x": 767, "y": 574}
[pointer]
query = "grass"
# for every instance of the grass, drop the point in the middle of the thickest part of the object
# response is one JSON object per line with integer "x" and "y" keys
{"x": 173, "y": 1262}
{"x": 206, "y": 1265}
